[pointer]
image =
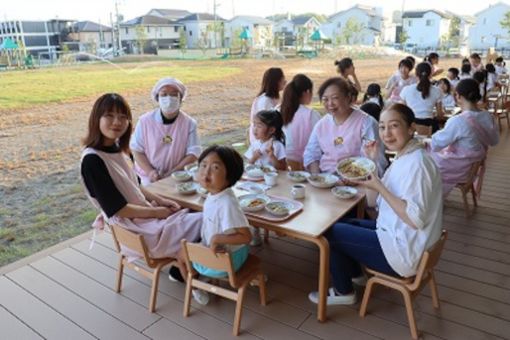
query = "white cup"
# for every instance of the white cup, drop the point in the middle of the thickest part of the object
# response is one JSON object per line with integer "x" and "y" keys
{"x": 270, "y": 178}
{"x": 298, "y": 191}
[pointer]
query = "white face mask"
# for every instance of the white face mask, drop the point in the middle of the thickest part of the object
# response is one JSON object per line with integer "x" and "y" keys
{"x": 169, "y": 104}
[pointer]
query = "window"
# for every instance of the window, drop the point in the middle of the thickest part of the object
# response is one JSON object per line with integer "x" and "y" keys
{"x": 429, "y": 22}
{"x": 148, "y": 29}
{"x": 190, "y": 33}
{"x": 176, "y": 29}
{"x": 127, "y": 31}
{"x": 484, "y": 21}
{"x": 339, "y": 25}
{"x": 409, "y": 23}
{"x": 482, "y": 39}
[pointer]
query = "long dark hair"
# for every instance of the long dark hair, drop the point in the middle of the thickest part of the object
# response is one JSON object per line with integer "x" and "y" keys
{"x": 271, "y": 82}
{"x": 447, "y": 83}
{"x": 431, "y": 56}
{"x": 481, "y": 77}
{"x": 273, "y": 118}
{"x": 469, "y": 89}
{"x": 107, "y": 103}
{"x": 292, "y": 95}
{"x": 423, "y": 71}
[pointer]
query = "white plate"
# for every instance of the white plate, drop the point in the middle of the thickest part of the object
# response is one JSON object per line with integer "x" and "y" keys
{"x": 257, "y": 171}
{"x": 247, "y": 202}
{"x": 252, "y": 188}
{"x": 355, "y": 168}
{"x": 344, "y": 192}
{"x": 181, "y": 176}
{"x": 298, "y": 176}
{"x": 278, "y": 208}
{"x": 327, "y": 181}
{"x": 187, "y": 188}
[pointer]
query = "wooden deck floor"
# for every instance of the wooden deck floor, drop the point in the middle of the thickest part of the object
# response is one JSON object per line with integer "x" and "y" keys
{"x": 68, "y": 293}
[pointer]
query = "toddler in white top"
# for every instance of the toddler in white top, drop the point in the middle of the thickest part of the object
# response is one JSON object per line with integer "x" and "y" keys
{"x": 268, "y": 147}
{"x": 224, "y": 225}
{"x": 448, "y": 100}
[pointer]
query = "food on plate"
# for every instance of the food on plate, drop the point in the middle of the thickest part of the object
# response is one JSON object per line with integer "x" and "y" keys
{"x": 255, "y": 203}
{"x": 317, "y": 178}
{"x": 351, "y": 169}
{"x": 277, "y": 208}
{"x": 186, "y": 187}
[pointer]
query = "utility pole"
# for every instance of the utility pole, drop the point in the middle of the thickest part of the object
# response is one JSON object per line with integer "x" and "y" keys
{"x": 114, "y": 42}
{"x": 117, "y": 24}
{"x": 214, "y": 24}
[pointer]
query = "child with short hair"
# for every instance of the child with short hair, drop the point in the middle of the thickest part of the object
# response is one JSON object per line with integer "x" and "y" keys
{"x": 453, "y": 76}
{"x": 445, "y": 87}
{"x": 400, "y": 79}
{"x": 500, "y": 66}
{"x": 465, "y": 71}
{"x": 224, "y": 225}
{"x": 268, "y": 147}
{"x": 491, "y": 77}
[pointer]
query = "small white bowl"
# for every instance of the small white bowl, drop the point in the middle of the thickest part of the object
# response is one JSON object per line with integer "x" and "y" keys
{"x": 252, "y": 202}
{"x": 202, "y": 192}
{"x": 277, "y": 208}
{"x": 344, "y": 192}
{"x": 181, "y": 176}
{"x": 298, "y": 176}
{"x": 187, "y": 188}
{"x": 323, "y": 180}
{"x": 255, "y": 173}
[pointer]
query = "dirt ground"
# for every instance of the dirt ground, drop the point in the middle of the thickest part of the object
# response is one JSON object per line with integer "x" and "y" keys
{"x": 42, "y": 201}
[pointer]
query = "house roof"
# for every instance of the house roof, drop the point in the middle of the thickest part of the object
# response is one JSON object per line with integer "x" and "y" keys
{"x": 491, "y": 6}
{"x": 467, "y": 18}
{"x": 172, "y": 13}
{"x": 152, "y": 20}
{"x": 370, "y": 11}
{"x": 301, "y": 19}
{"x": 201, "y": 17}
{"x": 421, "y": 13}
{"x": 252, "y": 19}
{"x": 89, "y": 26}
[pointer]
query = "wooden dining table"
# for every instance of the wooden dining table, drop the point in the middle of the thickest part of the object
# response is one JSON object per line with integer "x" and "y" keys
{"x": 320, "y": 211}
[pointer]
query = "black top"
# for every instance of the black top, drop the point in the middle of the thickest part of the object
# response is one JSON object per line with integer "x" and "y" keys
{"x": 100, "y": 184}
{"x": 167, "y": 121}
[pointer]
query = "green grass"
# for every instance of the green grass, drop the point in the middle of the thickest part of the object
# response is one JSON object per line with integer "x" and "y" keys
{"x": 35, "y": 87}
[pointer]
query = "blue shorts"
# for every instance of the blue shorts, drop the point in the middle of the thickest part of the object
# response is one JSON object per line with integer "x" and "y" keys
{"x": 238, "y": 258}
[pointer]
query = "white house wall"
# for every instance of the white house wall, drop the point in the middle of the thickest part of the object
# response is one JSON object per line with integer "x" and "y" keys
{"x": 338, "y": 22}
{"x": 424, "y": 35}
{"x": 482, "y": 33}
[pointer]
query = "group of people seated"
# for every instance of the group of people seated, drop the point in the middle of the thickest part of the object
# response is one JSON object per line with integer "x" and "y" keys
{"x": 117, "y": 166}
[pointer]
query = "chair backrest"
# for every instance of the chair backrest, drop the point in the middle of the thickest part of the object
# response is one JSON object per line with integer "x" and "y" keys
{"x": 424, "y": 130}
{"x": 429, "y": 259}
{"x": 473, "y": 172}
{"x": 295, "y": 165}
{"x": 131, "y": 240}
{"x": 196, "y": 252}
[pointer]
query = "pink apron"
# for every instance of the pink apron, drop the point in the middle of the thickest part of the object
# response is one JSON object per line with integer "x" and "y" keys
{"x": 339, "y": 141}
{"x": 164, "y": 144}
{"x": 300, "y": 129}
{"x": 162, "y": 236}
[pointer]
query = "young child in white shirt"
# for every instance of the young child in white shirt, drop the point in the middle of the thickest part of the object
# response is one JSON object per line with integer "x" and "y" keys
{"x": 268, "y": 147}
{"x": 224, "y": 225}
{"x": 446, "y": 88}
{"x": 453, "y": 76}
{"x": 500, "y": 66}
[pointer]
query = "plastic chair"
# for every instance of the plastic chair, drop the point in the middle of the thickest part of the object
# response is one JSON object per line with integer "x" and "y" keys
{"x": 409, "y": 287}
{"x": 136, "y": 243}
{"x": 195, "y": 252}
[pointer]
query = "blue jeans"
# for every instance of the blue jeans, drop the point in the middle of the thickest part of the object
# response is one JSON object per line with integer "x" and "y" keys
{"x": 353, "y": 242}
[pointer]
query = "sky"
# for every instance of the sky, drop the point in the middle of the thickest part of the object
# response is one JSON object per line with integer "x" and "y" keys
{"x": 99, "y": 10}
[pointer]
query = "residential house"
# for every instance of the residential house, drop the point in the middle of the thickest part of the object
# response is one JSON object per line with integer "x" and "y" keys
{"x": 357, "y": 25}
{"x": 170, "y": 14}
{"x": 260, "y": 31}
{"x": 203, "y": 30}
{"x": 299, "y": 28}
{"x": 426, "y": 29}
{"x": 155, "y": 32}
{"x": 91, "y": 36}
{"x": 487, "y": 31}
{"x": 42, "y": 39}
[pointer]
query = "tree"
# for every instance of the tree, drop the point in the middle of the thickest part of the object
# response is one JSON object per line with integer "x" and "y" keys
{"x": 505, "y": 23}
{"x": 183, "y": 40}
{"x": 403, "y": 37}
{"x": 352, "y": 33}
{"x": 141, "y": 36}
{"x": 452, "y": 39}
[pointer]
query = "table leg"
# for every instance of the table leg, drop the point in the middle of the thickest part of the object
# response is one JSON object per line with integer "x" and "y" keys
{"x": 323, "y": 245}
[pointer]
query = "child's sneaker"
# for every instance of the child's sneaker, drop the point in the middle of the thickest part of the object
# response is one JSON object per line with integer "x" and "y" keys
{"x": 174, "y": 274}
{"x": 334, "y": 298}
{"x": 200, "y": 296}
{"x": 256, "y": 240}
{"x": 360, "y": 280}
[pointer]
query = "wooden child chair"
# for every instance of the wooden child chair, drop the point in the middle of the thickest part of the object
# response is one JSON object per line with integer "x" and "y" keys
{"x": 424, "y": 130}
{"x": 136, "y": 243}
{"x": 469, "y": 185}
{"x": 410, "y": 287}
{"x": 195, "y": 252}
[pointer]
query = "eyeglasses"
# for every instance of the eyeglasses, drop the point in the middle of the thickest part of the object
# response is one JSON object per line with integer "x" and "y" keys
{"x": 112, "y": 116}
